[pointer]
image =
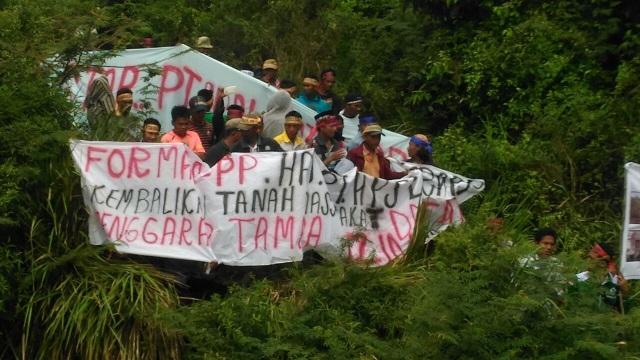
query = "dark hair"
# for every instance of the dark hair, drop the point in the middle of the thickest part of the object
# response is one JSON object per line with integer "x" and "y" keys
{"x": 205, "y": 94}
{"x": 541, "y": 233}
{"x": 607, "y": 248}
{"x": 124, "y": 90}
{"x": 179, "y": 111}
{"x": 326, "y": 71}
{"x": 235, "y": 107}
{"x": 425, "y": 157}
{"x": 152, "y": 121}
{"x": 293, "y": 113}
{"x": 286, "y": 84}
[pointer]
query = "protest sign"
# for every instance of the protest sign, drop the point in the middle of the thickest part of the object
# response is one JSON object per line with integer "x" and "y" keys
{"x": 255, "y": 208}
{"x": 630, "y": 249}
{"x": 182, "y": 72}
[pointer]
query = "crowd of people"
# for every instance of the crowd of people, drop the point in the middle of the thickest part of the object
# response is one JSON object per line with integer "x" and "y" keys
{"x": 212, "y": 129}
{"x": 603, "y": 267}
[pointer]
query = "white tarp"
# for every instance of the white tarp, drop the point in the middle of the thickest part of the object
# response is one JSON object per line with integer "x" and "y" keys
{"x": 255, "y": 208}
{"x": 630, "y": 254}
{"x": 185, "y": 71}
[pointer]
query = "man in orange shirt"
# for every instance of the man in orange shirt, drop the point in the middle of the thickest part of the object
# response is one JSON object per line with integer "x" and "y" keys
{"x": 181, "y": 133}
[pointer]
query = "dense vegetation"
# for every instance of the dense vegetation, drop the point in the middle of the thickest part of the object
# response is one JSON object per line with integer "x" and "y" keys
{"x": 540, "y": 99}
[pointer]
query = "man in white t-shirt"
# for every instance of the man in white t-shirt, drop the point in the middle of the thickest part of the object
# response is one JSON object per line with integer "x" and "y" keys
{"x": 350, "y": 116}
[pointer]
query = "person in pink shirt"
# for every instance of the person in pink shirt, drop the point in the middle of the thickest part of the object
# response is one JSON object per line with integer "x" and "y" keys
{"x": 181, "y": 133}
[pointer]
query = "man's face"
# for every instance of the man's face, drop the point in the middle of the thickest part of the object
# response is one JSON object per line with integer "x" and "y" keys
{"x": 547, "y": 246}
{"x": 329, "y": 131}
{"x": 269, "y": 74}
{"x": 292, "y": 130}
{"x": 124, "y": 104}
{"x": 372, "y": 140}
{"x": 327, "y": 81}
{"x": 181, "y": 125}
{"x": 412, "y": 150}
{"x": 309, "y": 89}
{"x": 353, "y": 109}
{"x": 150, "y": 133}
{"x": 197, "y": 116}
{"x": 251, "y": 134}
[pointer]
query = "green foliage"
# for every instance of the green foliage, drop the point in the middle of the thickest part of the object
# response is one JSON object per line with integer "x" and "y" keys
{"x": 471, "y": 300}
{"x": 540, "y": 99}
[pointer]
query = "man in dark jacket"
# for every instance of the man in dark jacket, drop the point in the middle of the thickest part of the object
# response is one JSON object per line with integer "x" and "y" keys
{"x": 233, "y": 134}
{"x": 369, "y": 158}
{"x": 251, "y": 140}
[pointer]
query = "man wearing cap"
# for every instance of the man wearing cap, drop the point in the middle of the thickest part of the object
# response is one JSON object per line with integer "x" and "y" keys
{"x": 325, "y": 145}
{"x": 289, "y": 139}
{"x": 251, "y": 140}
{"x": 309, "y": 96}
{"x": 327, "y": 80}
{"x": 420, "y": 150}
{"x": 270, "y": 72}
{"x": 198, "y": 108}
{"x": 351, "y": 115}
{"x": 363, "y": 122}
{"x": 369, "y": 158}
{"x": 181, "y": 133}
{"x": 203, "y": 44}
{"x": 232, "y": 134}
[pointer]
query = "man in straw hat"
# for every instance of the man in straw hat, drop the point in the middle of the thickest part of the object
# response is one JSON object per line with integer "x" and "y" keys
{"x": 290, "y": 139}
{"x": 270, "y": 72}
{"x": 251, "y": 140}
{"x": 369, "y": 158}
{"x": 203, "y": 44}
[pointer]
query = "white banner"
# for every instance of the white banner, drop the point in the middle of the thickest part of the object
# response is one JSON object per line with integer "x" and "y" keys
{"x": 630, "y": 254}
{"x": 183, "y": 72}
{"x": 255, "y": 208}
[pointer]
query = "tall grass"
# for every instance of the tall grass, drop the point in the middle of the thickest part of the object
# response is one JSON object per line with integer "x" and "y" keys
{"x": 83, "y": 301}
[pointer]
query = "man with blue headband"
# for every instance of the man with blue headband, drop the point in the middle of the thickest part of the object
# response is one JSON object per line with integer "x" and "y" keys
{"x": 420, "y": 150}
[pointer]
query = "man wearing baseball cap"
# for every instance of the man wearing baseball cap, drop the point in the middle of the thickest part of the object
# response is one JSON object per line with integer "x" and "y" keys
{"x": 270, "y": 72}
{"x": 290, "y": 139}
{"x": 232, "y": 134}
{"x": 198, "y": 107}
{"x": 363, "y": 122}
{"x": 369, "y": 158}
{"x": 251, "y": 140}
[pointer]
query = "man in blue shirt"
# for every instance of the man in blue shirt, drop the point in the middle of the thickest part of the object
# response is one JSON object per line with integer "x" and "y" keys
{"x": 310, "y": 97}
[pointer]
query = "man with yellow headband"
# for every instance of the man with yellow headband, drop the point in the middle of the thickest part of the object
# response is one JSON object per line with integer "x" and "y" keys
{"x": 290, "y": 138}
{"x": 310, "y": 97}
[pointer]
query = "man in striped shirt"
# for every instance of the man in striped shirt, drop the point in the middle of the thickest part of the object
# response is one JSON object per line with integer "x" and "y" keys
{"x": 198, "y": 108}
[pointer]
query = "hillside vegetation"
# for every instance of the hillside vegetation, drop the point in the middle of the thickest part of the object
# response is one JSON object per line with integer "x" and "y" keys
{"x": 540, "y": 99}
